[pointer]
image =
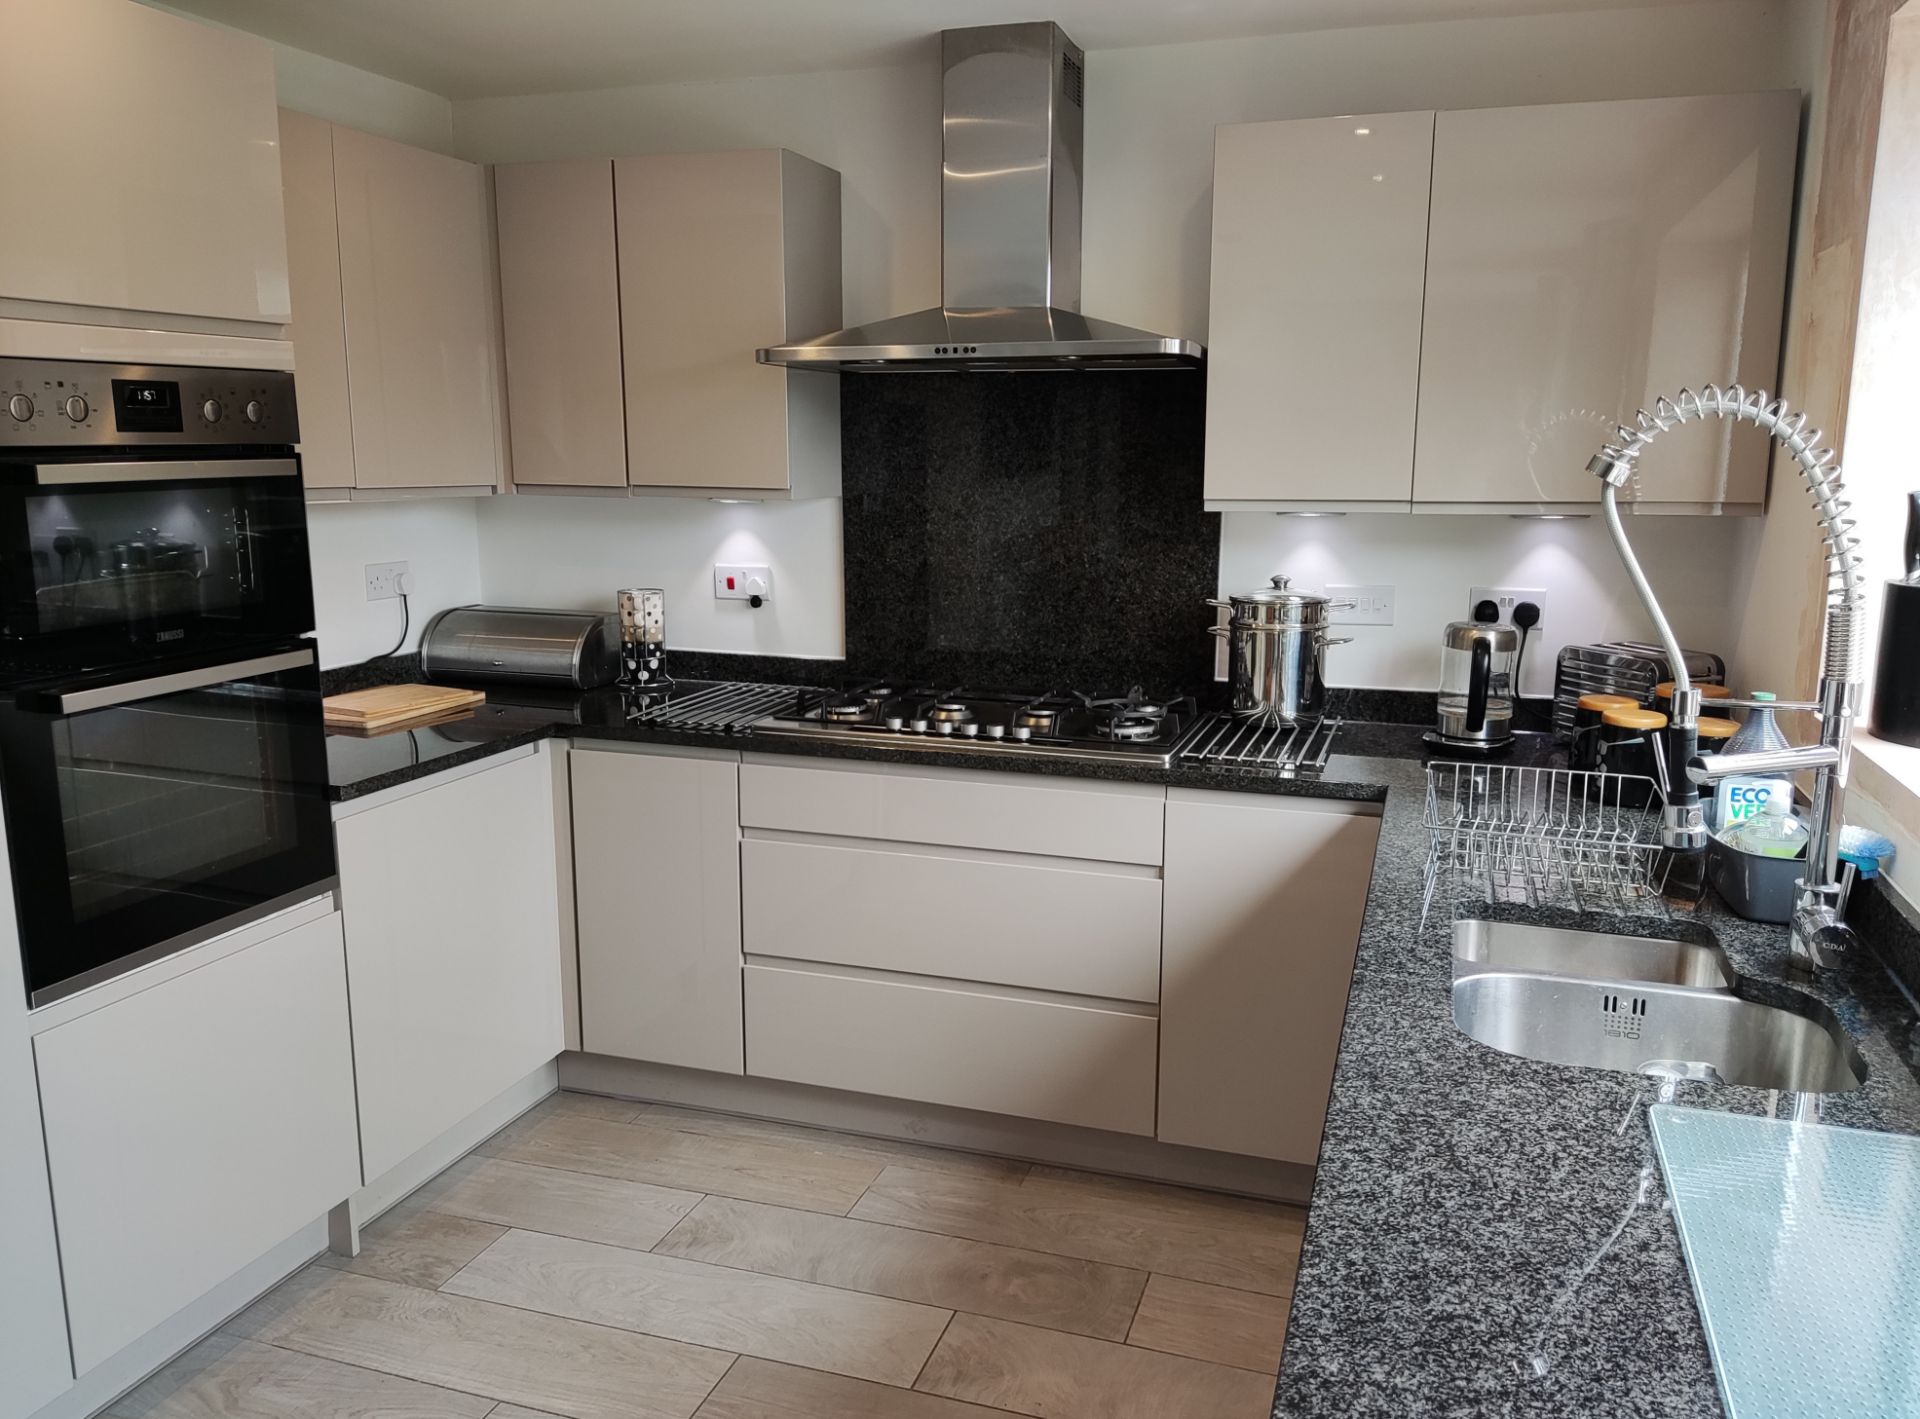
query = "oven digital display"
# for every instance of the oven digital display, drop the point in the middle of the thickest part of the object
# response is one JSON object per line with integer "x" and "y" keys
{"x": 146, "y": 405}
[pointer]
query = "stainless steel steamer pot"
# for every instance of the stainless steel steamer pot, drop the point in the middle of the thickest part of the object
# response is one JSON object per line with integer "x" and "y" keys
{"x": 1275, "y": 640}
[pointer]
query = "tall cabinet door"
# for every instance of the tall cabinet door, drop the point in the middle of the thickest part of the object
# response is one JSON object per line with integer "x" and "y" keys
{"x": 1313, "y": 348}
{"x": 560, "y": 308}
{"x": 1264, "y": 897}
{"x": 318, "y": 329}
{"x": 417, "y": 283}
{"x": 656, "y": 864}
{"x": 140, "y": 165}
{"x": 1584, "y": 259}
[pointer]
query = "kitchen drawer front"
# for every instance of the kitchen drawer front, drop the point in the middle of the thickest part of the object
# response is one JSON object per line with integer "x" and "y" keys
{"x": 1101, "y": 822}
{"x": 1078, "y": 930}
{"x": 1066, "y": 1063}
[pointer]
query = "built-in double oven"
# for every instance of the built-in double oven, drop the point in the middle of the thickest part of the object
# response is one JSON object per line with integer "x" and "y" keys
{"x": 162, "y": 752}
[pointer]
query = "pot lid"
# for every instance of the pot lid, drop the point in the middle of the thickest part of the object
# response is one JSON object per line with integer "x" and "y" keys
{"x": 1278, "y": 594}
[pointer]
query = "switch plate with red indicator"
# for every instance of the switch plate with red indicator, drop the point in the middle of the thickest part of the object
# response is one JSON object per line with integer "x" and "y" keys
{"x": 742, "y": 582}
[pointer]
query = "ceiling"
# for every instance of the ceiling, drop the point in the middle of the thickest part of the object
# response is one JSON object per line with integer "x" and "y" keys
{"x": 483, "y": 48}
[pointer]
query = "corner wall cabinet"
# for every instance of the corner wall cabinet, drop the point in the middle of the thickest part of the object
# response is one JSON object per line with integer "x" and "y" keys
{"x": 635, "y": 293}
{"x": 450, "y": 898}
{"x": 1570, "y": 268}
{"x": 399, "y": 301}
{"x": 140, "y": 167}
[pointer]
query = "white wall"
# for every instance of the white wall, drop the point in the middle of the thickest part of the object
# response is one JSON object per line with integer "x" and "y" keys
{"x": 1150, "y": 119}
{"x": 573, "y": 553}
{"x": 436, "y": 536}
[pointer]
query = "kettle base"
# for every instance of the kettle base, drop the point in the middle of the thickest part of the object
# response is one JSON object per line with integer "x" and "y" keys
{"x": 1466, "y": 748}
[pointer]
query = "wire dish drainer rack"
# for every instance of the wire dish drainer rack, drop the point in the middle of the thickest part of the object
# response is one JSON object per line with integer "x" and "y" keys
{"x": 1542, "y": 837}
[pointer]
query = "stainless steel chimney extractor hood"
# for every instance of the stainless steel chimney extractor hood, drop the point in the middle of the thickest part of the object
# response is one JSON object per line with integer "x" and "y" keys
{"x": 1010, "y": 228}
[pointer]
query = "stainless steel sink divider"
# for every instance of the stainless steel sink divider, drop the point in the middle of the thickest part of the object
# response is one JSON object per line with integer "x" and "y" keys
{"x": 1541, "y": 836}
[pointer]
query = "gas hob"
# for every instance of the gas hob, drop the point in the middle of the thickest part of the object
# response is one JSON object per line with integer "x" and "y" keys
{"x": 1130, "y": 728}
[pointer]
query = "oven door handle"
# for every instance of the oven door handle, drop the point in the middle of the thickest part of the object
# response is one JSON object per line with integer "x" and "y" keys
{"x": 107, "y": 696}
{"x": 162, "y": 470}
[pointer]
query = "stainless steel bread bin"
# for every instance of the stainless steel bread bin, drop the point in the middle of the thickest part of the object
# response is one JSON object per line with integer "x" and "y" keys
{"x": 1630, "y": 668}
{"x": 577, "y": 650}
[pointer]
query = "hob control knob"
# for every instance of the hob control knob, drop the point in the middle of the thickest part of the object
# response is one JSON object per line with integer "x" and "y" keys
{"x": 919, "y": 726}
{"x": 77, "y": 409}
{"x": 1020, "y": 731}
{"x": 211, "y": 411}
{"x": 943, "y": 727}
{"x": 969, "y": 731}
{"x": 255, "y": 411}
{"x": 895, "y": 722}
{"x": 996, "y": 731}
{"x": 20, "y": 407}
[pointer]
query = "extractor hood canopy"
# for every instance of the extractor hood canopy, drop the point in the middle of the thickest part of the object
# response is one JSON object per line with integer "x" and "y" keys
{"x": 1012, "y": 126}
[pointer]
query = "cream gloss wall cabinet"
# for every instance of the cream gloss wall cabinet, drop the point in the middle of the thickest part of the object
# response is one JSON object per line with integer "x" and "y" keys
{"x": 396, "y": 314}
{"x": 141, "y": 170}
{"x": 194, "y": 1125}
{"x": 635, "y": 294}
{"x": 449, "y": 889}
{"x": 1460, "y": 336}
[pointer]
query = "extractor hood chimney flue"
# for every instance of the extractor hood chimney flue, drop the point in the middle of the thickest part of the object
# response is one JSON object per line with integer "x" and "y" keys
{"x": 1011, "y": 137}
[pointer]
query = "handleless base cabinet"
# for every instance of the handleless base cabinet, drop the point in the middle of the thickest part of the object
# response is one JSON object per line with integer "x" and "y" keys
{"x": 1264, "y": 900}
{"x": 193, "y": 1126}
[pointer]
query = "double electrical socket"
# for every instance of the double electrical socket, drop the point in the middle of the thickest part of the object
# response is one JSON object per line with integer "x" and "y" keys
{"x": 383, "y": 580}
{"x": 1506, "y": 598}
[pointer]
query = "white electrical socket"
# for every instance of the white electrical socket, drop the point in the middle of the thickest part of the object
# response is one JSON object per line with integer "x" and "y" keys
{"x": 733, "y": 581}
{"x": 1373, "y": 605}
{"x": 383, "y": 580}
{"x": 1506, "y": 598}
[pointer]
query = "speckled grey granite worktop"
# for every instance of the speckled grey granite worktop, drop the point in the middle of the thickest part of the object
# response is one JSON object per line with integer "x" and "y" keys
{"x": 1488, "y": 1235}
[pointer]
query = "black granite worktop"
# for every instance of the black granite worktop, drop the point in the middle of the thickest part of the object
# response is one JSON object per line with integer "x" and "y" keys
{"x": 1488, "y": 1234}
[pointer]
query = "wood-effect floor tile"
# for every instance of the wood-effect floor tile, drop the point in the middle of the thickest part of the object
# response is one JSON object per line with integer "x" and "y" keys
{"x": 543, "y": 1362}
{"x": 514, "y": 1411}
{"x": 568, "y": 1204}
{"x": 1212, "y": 1323}
{"x": 870, "y": 1337}
{"x": 417, "y": 1247}
{"x": 757, "y": 1169}
{"x": 1050, "y": 1375}
{"x": 1065, "y": 1293}
{"x": 575, "y": 1104}
{"x": 1253, "y": 1246}
{"x": 882, "y": 1151}
{"x": 761, "y": 1389}
{"x": 226, "y": 1377}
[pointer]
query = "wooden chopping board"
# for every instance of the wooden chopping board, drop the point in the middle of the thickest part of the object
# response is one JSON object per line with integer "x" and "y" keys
{"x": 385, "y": 706}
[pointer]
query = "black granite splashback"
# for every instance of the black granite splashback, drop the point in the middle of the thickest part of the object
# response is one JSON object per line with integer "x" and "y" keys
{"x": 1029, "y": 529}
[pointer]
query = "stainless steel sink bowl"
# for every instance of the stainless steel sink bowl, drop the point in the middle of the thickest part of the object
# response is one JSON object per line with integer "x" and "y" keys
{"x": 1638, "y": 1027}
{"x": 1514, "y": 946}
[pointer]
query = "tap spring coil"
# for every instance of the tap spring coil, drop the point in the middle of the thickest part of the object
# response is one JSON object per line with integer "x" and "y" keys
{"x": 1845, "y": 654}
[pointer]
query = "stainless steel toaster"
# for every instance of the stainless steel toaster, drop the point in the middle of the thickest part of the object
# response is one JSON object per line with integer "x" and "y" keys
{"x": 577, "y": 650}
{"x": 1630, "y": 668}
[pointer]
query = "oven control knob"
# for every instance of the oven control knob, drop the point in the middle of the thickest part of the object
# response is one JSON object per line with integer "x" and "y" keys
{"x": 20, "y": 407}
{"x": 996, "y": 731}
{"x": 919, "y": 726}
{"x": 211, "y": 411}
{"x": 895, "y": 722}
{"x": 77, "y": 409}
{"x": 255, "y": 411}
{"x": 1020, "y": 731}
{"x": 969, "y": 731}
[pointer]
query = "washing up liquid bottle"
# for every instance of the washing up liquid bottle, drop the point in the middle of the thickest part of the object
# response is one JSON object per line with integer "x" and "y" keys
{"x": 1743, "y": 796}
{"x": 1774, "y": 832}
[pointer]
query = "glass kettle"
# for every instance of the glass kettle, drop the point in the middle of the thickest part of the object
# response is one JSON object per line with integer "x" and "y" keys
{"x": 1477, "y": 689}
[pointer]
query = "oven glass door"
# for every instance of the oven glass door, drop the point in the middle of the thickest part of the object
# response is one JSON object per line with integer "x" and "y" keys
{"x": 143, "y": 551}
{"x": 147, "y": 813}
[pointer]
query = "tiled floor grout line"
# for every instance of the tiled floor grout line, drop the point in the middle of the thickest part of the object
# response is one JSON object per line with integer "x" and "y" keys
{"x": 707, "y": 1398}
{"x": 931, "y": 1352}
{"x": 372, "y": 1369}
